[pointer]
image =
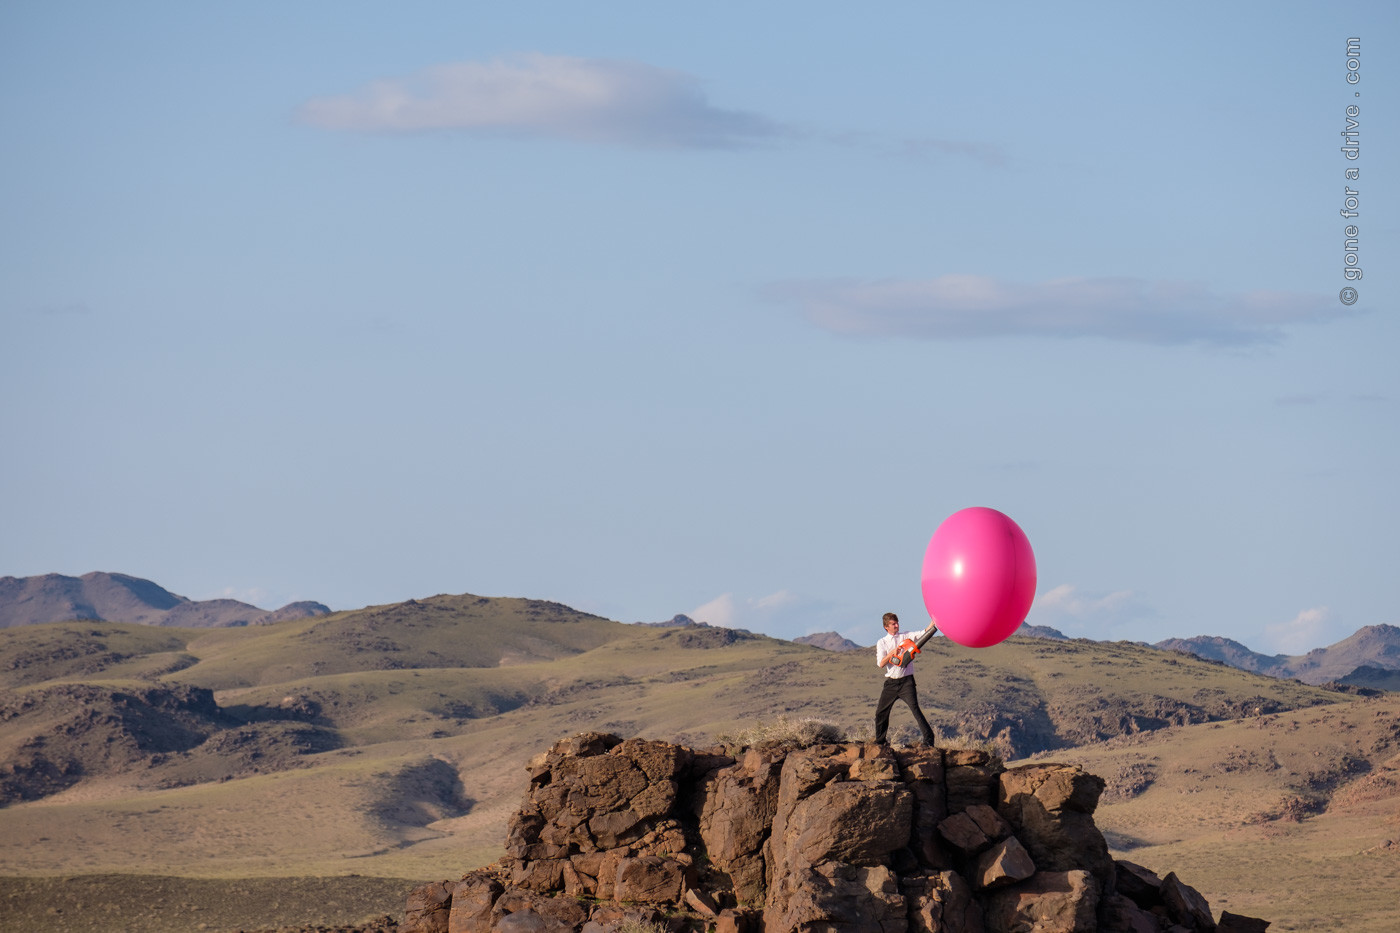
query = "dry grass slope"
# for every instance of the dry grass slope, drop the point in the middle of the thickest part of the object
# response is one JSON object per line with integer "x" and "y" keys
{"x": 390, "y": 742}
{"x": 1293, "y": 816}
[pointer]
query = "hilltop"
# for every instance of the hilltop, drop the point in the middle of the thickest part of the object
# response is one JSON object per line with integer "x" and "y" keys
{"x": 117, "y": 597}
{"x": 830, "y": 641}
{"x": 1370, "y": 657}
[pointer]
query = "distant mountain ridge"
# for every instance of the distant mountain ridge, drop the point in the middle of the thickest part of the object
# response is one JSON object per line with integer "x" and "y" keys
{"x": 118, "y": 597}
{"x": 1226, "y": 650}
{"x": 1367, "y": 657}
{"x": 1370, "y": 657}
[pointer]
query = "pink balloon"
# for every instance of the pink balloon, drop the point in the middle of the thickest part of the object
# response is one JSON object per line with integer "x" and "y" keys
{"x": 979, "y": 577}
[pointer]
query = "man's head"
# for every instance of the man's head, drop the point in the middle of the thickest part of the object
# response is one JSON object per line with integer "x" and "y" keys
{"x": 891, "y": 623}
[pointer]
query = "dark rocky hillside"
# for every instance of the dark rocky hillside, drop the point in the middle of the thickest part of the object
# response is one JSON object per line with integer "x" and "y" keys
{"x": 56, "y": 736}
{"x": 116, "y": 597}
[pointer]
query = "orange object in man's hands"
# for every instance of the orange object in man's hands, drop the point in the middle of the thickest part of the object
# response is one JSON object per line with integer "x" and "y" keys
{"x": 909, "y": 647}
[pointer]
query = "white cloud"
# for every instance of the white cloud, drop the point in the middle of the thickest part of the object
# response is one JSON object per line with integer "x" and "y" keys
{"x": 718, "y": 611}
{"x": 582, "y": 99}
{"x": 775, "y": 602}
{"x": 1067, "y": 607}
{"x": 1066, "y": 599}
{"x": 962, "y": 307}
{"x": 782, "y": 614}
{"x": 1300, "y": 634}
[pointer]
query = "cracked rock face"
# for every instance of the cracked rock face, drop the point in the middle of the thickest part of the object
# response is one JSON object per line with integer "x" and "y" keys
{"x": 850, "y": 837}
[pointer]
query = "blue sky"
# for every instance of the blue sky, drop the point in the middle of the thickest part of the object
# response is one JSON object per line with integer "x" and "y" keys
{"x": 716, "y": 310}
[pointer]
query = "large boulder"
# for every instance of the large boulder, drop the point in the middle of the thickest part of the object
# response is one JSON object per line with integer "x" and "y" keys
{"x": 428, "y": 908}
{"x": 1185, "y": 905}
{"x": 942, "y": 903}
{"x": 1119, "y": 914}
{"x": 832, "y": 839}
{"x": 837, "y": 896}
{"x": 518, "y": 911}
{"x": 1051, "y": 810}
{"x": 472, "y": 900}
{"x": 595, "y": 793}
{"x": 971, "y": 777}
{"x": 922, "y": 771}
{"x": 649, "y": 879}
{"x": 736, "y": 814}
{"x": 1005, "y": 863}
{"x": 1049, "y": 902}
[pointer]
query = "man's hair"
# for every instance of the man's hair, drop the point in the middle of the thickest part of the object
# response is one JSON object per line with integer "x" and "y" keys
{"x": 889, "y": 617}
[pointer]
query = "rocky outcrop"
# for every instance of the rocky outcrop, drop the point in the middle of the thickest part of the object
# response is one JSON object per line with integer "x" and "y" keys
{"x": 829, "y": 641}
{"x": 855, "y": 838}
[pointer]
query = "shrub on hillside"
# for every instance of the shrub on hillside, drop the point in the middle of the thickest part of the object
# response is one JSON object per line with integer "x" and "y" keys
{"x": 785, "y": 731}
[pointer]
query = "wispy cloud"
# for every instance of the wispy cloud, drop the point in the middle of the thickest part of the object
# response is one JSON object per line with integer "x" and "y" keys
{"x": 783, "y": 614}
{"x": 1300, "y": 634}
{"x": 1066, "y": 606}
{"x": 535, "y": 95}
{"x": 966, "y": 307}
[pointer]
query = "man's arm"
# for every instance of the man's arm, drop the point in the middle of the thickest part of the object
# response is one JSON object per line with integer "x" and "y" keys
{"x": 927, "y": 633}
{"x": 884, "y": 659}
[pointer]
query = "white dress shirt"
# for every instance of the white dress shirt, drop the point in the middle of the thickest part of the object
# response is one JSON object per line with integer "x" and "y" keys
{"x": 887, "y": 645}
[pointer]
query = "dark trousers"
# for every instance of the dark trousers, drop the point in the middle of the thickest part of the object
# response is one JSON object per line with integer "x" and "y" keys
{"x": 900, "y": 688}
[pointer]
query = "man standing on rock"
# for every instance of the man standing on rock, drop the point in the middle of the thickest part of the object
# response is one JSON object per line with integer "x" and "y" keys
{"x": 899, "y": 681}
